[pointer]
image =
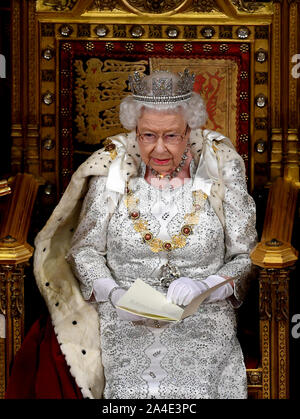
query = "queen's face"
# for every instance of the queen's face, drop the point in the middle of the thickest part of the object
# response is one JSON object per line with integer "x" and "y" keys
{"x": 161, "y": 155}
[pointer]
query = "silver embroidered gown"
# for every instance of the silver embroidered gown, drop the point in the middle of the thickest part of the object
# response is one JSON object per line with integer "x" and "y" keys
{"x": 199, "y": 357}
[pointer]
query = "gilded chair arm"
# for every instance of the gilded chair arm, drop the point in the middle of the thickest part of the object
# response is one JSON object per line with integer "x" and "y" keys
{"x": 275, "y": 250}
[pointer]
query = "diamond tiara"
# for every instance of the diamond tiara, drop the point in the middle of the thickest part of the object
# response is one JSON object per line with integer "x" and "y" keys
{"x": 163, "y": 89}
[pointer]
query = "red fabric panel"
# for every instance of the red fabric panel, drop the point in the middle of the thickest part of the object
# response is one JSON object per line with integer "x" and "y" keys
{"x": 252, "y": 363}
{"x": 39, "y": 370}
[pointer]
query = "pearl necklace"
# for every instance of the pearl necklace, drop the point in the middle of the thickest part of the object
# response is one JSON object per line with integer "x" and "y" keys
{"x": 175, "y": 172}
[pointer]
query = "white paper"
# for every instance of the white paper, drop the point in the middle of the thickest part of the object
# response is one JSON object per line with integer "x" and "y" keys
{"x": 145, "y": 301}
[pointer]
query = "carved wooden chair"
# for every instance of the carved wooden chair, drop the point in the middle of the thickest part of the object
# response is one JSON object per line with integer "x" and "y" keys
{"x": 275, "y": 256}
{"x": 16, "y": 206}
{"x": 81, "y": 53}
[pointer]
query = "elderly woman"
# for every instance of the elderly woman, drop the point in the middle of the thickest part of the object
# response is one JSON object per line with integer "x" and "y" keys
{"x": 166, "y": 203}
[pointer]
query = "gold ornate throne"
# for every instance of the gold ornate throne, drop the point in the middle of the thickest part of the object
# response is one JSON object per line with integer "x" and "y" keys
{"x": 78, "y": 57}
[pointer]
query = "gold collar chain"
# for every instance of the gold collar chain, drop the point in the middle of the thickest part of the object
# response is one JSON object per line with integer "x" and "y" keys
{"x": 178, "y": 240}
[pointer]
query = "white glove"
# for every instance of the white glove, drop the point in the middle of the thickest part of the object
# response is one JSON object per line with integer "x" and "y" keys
{"x": 183, "y": 290}
{"x": 101, "y": 290}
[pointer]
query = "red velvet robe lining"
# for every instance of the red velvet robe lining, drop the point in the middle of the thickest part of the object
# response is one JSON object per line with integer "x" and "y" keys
{"x": 39, "y": 370}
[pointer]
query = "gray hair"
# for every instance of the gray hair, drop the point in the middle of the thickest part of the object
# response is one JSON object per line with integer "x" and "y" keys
{"x": 193, "y": 109}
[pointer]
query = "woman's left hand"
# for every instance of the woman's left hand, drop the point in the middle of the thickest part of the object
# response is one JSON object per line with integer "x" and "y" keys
{"x": 183, "y": 290}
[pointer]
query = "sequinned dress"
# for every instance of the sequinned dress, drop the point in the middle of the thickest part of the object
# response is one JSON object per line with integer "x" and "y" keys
{"x": 199, "y": 357}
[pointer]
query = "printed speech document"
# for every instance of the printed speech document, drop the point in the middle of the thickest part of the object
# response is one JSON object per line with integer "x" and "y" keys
{"x": 145, "y": 301}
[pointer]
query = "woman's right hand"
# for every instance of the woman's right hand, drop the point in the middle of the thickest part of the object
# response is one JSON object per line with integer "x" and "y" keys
{"x": 122, "y": 314}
